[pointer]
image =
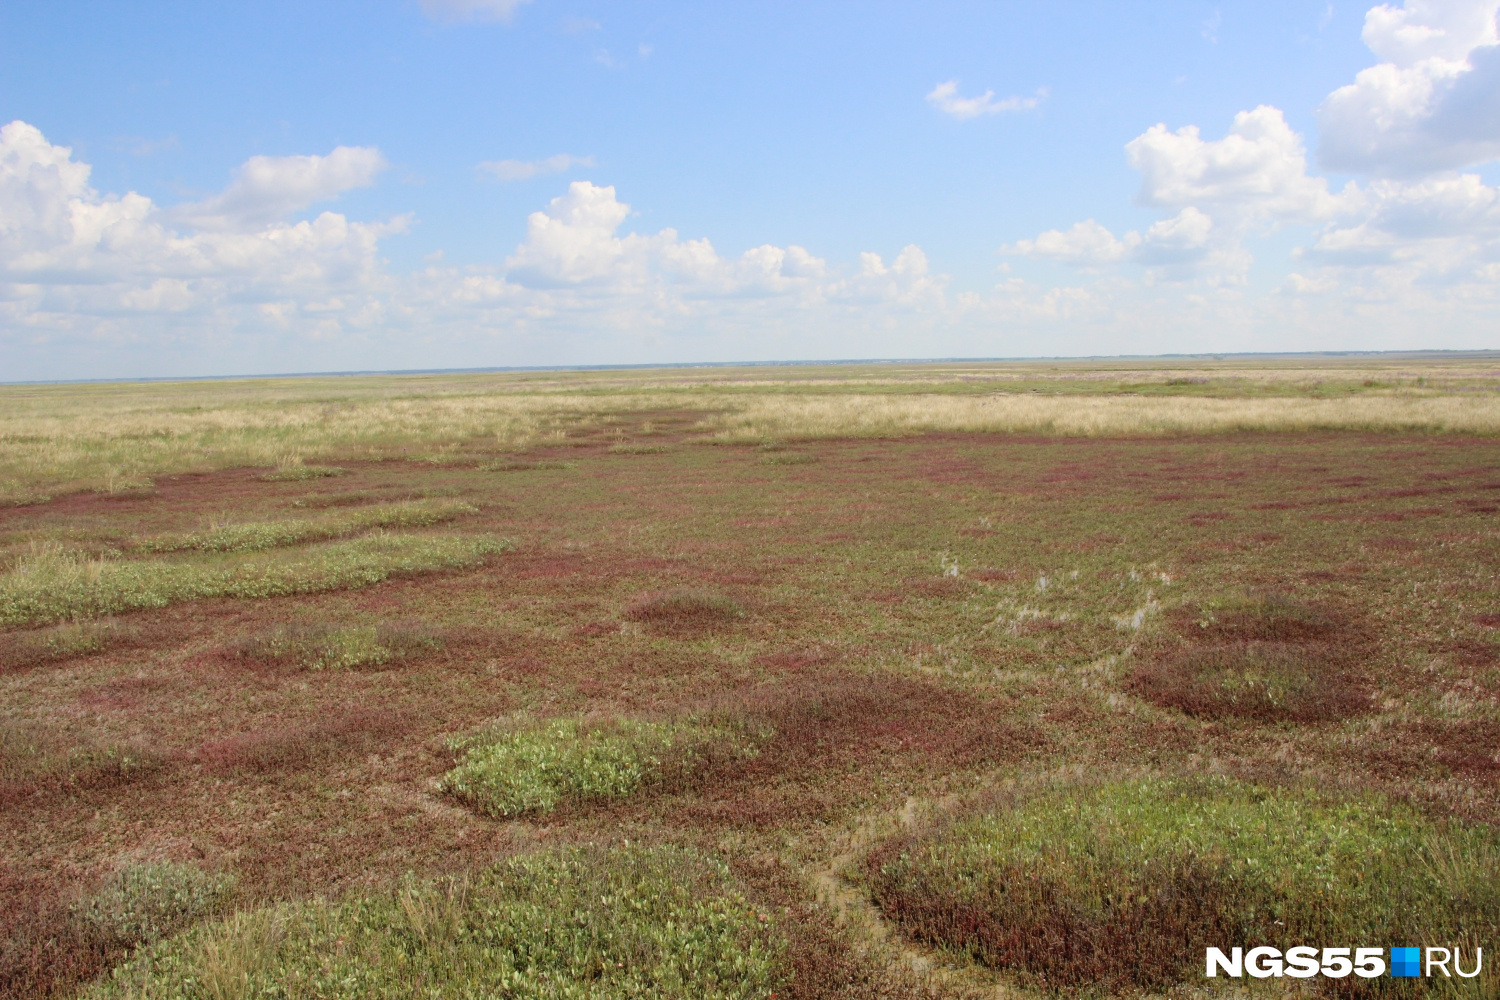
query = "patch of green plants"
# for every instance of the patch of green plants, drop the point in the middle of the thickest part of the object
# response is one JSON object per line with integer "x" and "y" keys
{"x": 589, "y": 923}
{"x": 261, "y": 535}
{"x": 525, "y": 767}
{"x": 327, "y": 647}
{"x": 144, "y": 903}
{"x": 54, "y": 583}
{"x": 521, "y": 465}
{"x": 638, "y": 449}
{"x": 302, "y": 473}
{"x": 1124, "y": 884}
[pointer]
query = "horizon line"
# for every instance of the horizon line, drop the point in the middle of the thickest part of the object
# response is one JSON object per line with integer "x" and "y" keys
{"x": 496, "y": 369}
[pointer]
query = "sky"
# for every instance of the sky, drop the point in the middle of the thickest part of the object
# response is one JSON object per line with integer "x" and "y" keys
{"x": 216, "y": 189}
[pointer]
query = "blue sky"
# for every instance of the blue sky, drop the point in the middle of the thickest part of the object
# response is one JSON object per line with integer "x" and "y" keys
{"x": 284, "y": 187}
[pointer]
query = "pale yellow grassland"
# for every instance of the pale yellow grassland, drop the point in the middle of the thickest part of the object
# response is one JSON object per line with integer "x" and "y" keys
{"x": 760, "y": 418}
{"x": 56, "y": 438}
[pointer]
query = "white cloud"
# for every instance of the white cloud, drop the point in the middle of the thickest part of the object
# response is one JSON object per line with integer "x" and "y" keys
{"x": 1087, "y": 244}
{"x": 521, "y": 170}
{"x": 73, "y": 259}
{"x": 267, "y": 188}
{"x": 1434, "y": 101}
{"x": 1257, "y": 171}
{"x": 945, "y": 98}
{"x": 471, "y": 10}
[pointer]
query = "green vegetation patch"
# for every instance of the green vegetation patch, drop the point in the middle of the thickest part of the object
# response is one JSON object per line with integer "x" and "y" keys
{"x": 327, "y": 647}
{"x": 55, "y": 584}
{"x": 258, "y": 536}
{"x": 592, "y": 924}
{"x": 302, "y": 473}
{"x": 143, "y": 903}
{"x": 1125, "y": 884}
{"x": 513, "y": 770}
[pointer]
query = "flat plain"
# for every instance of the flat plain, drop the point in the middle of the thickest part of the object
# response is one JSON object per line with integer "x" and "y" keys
{"x": 829, "y": 681}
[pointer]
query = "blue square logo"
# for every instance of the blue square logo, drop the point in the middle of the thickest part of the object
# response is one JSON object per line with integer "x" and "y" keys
{"x": 1406, "y": 961}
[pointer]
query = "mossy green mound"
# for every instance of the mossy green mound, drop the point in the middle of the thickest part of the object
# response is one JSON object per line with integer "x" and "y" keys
{"x": 1125, "y": 884}
{"x": 510, "y": 771}
{"x": 588, "y": 924}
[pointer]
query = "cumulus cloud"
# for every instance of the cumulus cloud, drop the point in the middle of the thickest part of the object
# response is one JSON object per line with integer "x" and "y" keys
{"x": 945, "y": 98}
{"x": 267, "y": 188}
{"x": 1433, "y": 103}
{"x": 1258, "y": 170}
{"x": 71, "y": 258}
{"x": 1087, "y": 244}
{"x": 471, "y": 10}
{"x": 521, "y": 170}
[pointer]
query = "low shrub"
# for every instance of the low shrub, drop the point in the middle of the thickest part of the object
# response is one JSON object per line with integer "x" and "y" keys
{"x": 143, "y": 903}
{"x": 1124, "y": 884}
{"x": 685, "y": 611}
{"x": 1267, "y": 681}
{"x": 634, "y": 922}
{"x": 327, "y": 647}
{"x": 511, "y": 770}
{"x": 262, "y": 535}
{"x": 55, "y": 583}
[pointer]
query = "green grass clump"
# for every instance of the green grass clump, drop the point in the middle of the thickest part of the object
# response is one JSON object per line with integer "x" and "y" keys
{"x": 258, "y": 536}
{"x": 511, "y": 771}
{"x": 143, "y": 903}
{"x": 55, "y": 584}
{"x": 591, "y": 924}
{"x": 302, "y": 473}
{"x": 1125, "y": 884}
{"x": 325, "y": 647}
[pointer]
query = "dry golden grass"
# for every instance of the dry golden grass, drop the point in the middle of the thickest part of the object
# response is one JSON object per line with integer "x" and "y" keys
{"x": 769, "y": 417}
{"x": 115, "y": 437}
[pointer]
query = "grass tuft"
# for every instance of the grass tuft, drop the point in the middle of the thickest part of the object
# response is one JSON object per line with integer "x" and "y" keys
{"x": 639, "y": 449}
{"x": 1124, "y": 884}
{"x": 299, "y": 473}
{"x": 326, "y": 647}
{"x": 531, "y": 769}
{"x": 55, "y": 583}
{"x": 664, "y": 923}
{"x": 259, "y": 536}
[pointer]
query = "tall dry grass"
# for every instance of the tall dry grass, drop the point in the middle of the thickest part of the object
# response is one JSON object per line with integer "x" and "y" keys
{"x": 768, "y": 417}
{"x": 69, "y": 437}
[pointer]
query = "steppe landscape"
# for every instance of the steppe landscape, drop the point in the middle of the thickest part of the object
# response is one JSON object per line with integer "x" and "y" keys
{"x": 897, "y": 680}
